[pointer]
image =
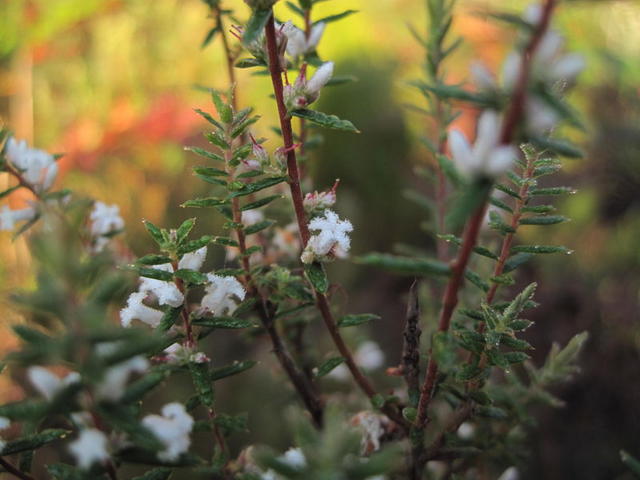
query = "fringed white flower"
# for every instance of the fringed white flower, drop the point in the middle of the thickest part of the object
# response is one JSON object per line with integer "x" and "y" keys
{"x": 331, "y": 239}
{"x": 193, "y": 260}
{"x": 37, "y": 167}
{"x": 321, "y": 200}
{"x": 105, "y": 221}
{"x": 222, "y": 295}
{"x": 166, "y": 291}
{"x": 9, "y": 218}
{"x": 487, "y": 157}
{"x": 48, "y": 384}
{"x": 89, "y": 448}
{"x": 136, "y": 310}
{"x": 172, "y": 428}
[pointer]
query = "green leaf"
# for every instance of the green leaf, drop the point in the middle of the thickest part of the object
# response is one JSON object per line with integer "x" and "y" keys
{"x": 154, "y": 273}
{"x": 357, "y": 319}
{"x": 317, "y": 276}
{"x": 472, "y": 198}
{"x": 325, "y": 120}
{"x": 225, "y": 242}
{"x": 515, "y": 261}
{"x": 153, "y": 259}
{"x": 184, "y": 230}
{"x": 335, "y": 18}
{"x": 260, "y": 203}
{"x": 561, "y": 147}
{"x": 250, "y": 63}
{"x": 224, "y": 109}
{"x": 194, "y": 245}
{"x": 191, "y": 276}
{"x": 255, "y": 25}
{"x": 254, "y": 187}
{"x": 204, "y": 153}
{"x": 552, "y": 191}
{"x": 31, "y": 442}
{"x": 161, "y": 473}
{"x": 205, "y": 202}
{"x": 405, "y": 265}
{"x": 209, "y": 118}
{"x": 492, "y": 412}
{"x": 631, "y": 462}
{"x": 328, "y": 365}
{"x": 62, "y": 471}
{"x": 223, "y": 322}
{"x": 543, "y": 220}
{"x": 138, "y": 389}
{"x": 155, "y": 232}
{"x": 258, "y": 227}
{"x": 540, "y": 249}
{"x": 202, "y": 382}
{"x": 233, "y": 369}
{"x": 23, "y": 410}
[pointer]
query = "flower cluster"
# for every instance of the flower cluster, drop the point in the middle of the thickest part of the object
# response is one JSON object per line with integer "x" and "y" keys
{"x": 332, "y": 239}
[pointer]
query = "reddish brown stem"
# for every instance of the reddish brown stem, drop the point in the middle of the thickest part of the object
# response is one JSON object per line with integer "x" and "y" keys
{"x": 449, "y": 303}
{"x": 512, "y": 119}
{"x": 14, "y": 471}
{"x": 297, "y": 198}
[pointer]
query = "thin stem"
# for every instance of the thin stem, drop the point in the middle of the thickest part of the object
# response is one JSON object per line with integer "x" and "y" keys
{"x": 301, "y": 382}
{"x": 297, "y": 198}
{"x": 14, "y": 471}
{"x": 411, "y": 346}
{"x": 510, "y": 125}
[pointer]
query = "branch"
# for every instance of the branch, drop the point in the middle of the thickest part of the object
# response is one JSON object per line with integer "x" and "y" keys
{"x": 14, "y": 471}
{"x": 322, "y": 303}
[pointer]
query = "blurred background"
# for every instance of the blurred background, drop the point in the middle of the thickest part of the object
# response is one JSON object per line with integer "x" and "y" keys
{"x": 112, "y": 84}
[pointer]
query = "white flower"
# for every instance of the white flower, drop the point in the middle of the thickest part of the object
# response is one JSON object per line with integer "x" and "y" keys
{"x": 115, "y": 379}
{"x": 136, "y": 310}
{"x": 193, "y": 260}
{"x": 548, "y": 65}
{"x": 487, "y": 157}
{"x": 510, "y": 473}
{"x": 373, "y": 427}
{"x": 90, "y": 447}
{"x": 320, "y": 78}
{"x": 466, "y": 430}
{"x": 47, "y": 384}
{"x": 105, "y": 220}
{"x": 320, "y": 200}
{"x": 368, "y": 356}
{"x": 297, "y": 41}
{"x": 166, "y": 291}
{"x": 294, "y": 457}
{"x": 8, "y": 217}
{"x": 178, "y": 353}
{"x": 251, "y": 217}
{"x": 172, "y": 429}
{"x": 222, "y": 295}
{"x": 4, "y": 424}
{"x": 304, "y": 92}
{"x": 37, "y": 167}
{"x": 332, "y": 238}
